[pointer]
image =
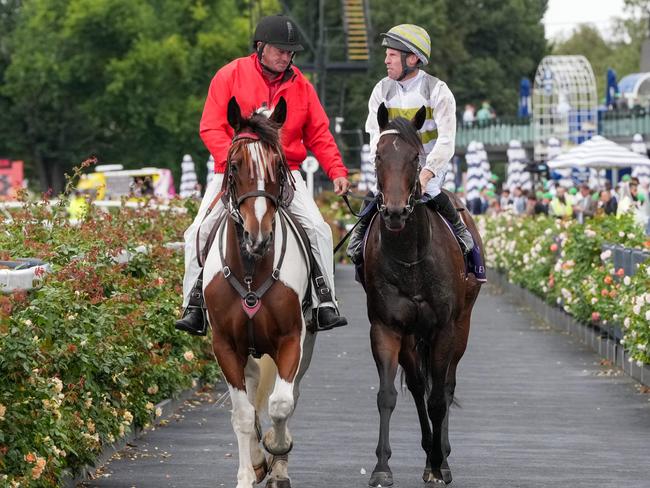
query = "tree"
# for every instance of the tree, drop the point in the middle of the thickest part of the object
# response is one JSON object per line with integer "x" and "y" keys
{"x": 622, "y": 52}
{"x": 481, "y": 48}
{"x": 122, "y": 79}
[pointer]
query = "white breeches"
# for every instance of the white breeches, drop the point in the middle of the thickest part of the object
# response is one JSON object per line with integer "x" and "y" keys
{"x": 302, "y": 206}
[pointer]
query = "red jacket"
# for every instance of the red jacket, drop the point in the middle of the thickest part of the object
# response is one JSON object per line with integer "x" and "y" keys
{"x": 306, "y": 127}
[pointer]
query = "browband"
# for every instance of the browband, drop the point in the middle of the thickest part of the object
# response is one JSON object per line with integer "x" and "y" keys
{"x": 389, "y": 131}
{"x": 246, "y": 135}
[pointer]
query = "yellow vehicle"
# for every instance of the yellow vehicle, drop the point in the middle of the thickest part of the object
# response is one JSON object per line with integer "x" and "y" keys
{"x": 113, "y": 182}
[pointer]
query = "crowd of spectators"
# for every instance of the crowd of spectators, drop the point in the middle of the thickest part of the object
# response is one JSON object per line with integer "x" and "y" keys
{"x": 580, "y": 201}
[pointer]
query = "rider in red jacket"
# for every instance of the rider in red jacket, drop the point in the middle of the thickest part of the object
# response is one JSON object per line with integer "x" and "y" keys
{"x": 306, "y": 127}
{"x": 257, "y": 80}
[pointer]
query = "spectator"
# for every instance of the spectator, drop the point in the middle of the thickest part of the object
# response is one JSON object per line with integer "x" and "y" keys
{"x": 505, "y": 200}
{"x": 561, "y": 205}
{"x": 469, "y": 115}
{"x": 485, "y": 113}
{"x": 608, "y": 202}
{"x": 585, "y": 205}
{"x": 519, "y": 201}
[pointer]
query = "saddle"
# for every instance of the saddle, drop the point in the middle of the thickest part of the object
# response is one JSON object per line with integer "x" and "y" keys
{"x": 473, "y": 261}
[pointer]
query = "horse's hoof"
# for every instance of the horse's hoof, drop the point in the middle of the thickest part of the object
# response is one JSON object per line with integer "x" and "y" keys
{"x": 434, "y": 483}
{"x": 446, "y": 475}
{"x": 261, "y": 470}
{"x": 426, "y": 474}
{"x": 381, "y": 478}
{"x": 278, "y": 483}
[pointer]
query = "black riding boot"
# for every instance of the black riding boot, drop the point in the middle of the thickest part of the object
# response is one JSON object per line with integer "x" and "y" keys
{"x": 355, "y": 244}
{"x": 325, "y": 317}
{"x": 194, "y": 320}
{"x": 443, "y": 204}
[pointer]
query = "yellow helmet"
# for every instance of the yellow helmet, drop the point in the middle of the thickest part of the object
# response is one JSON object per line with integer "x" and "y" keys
{"x": 409, "y": 38}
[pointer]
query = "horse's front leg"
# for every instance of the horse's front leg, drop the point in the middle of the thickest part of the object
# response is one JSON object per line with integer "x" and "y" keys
{"x": 243, "y": 411}
{"x": 260, "y": 466}
{"x": 438, "y": 406}
{"x": 416, "y": 384}
{"x": 385, "y": 350}
{"x": 277, "y": 440}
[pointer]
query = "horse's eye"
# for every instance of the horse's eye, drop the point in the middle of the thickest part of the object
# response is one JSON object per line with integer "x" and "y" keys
{"x": 233, "y": 167}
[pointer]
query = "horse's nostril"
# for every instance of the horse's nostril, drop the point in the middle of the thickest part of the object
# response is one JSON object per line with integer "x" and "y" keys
{"x": 247, "y": 235}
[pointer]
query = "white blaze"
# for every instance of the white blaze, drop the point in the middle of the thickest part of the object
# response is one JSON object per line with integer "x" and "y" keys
{"x": 257, "y": 156}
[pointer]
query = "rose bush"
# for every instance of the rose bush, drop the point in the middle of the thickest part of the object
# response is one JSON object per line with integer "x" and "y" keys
{"x": 563, "y": 262}
{"x": 89, "y": 353}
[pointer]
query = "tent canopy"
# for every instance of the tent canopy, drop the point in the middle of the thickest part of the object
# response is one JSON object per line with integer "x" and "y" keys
{"x": 599, "y": 153}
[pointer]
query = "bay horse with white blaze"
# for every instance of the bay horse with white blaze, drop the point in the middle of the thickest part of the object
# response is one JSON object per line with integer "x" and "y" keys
{"x": 419, "y": 297}
{"x": 256, "y": 275}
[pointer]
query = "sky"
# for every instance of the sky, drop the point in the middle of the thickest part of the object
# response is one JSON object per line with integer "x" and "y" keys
{"x": 563, "y": 16}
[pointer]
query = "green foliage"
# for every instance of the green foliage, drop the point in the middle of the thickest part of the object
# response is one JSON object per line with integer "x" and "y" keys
{"x": 480, "y": 48}
{"x": 563, "y": 262}
{"x": 89, "y": 353}
{"x": 122, "y": 79}
{"x": 622, "y": 52}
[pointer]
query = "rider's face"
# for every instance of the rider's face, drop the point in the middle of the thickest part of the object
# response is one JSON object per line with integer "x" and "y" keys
{"x": 276, "y": 59}
{"x": 393, "y": 62}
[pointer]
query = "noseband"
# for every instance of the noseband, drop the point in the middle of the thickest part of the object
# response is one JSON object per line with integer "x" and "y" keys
{"x": 412, "y": 201}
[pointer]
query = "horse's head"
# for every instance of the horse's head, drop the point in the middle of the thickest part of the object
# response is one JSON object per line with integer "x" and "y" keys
{"x": 398, "y": 162}
{"x": 257, "y": 171}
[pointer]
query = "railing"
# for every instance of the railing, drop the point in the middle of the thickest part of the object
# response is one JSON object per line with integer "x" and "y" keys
{"x": 495, "y": 132}
{"x": 627, "y": 123}
{"x": 500, "y": 131}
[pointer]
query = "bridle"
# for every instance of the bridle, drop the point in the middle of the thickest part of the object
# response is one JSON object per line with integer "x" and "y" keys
{"x": 234, "y": 201}
{"x": 412, "y": 200}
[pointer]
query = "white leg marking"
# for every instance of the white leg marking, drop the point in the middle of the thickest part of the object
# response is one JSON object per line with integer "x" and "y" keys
{"x": 281, "y": 400}
{"x": 243, "y": 423}
{"x": 252, "y": 373}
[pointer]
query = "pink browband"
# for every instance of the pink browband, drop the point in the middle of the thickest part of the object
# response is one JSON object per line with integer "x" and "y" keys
{"x": 246, "y": 135}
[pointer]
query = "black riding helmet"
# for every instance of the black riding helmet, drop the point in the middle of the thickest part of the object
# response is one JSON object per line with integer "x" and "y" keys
{"x": 279, "y": 31}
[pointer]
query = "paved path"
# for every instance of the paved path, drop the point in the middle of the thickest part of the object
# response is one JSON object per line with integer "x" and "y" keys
{"x": 538, "y": 410}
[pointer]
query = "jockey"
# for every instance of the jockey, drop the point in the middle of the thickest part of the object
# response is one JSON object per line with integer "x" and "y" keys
{"x": 407, "y": 88}
{"x": 260, "y": 80}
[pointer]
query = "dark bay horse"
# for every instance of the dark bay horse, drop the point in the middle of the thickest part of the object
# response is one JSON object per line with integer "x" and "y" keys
{"x": 256, "y": 276}
{"x": 419, "y": 298}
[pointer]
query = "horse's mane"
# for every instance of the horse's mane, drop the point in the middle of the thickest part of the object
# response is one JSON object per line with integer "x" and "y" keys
{"x": 406, "y": 131}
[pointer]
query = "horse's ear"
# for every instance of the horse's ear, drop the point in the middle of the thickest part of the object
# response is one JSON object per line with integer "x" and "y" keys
{"x": 279, "y": 114}
{"x": 382, "y": 116}
{"x": 419, "y": 118}
{"x": 234, "y": 114}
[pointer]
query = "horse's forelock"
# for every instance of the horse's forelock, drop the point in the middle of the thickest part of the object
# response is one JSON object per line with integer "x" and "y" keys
{"x": 268, "y": 132}
{"x": 407, "y": 132}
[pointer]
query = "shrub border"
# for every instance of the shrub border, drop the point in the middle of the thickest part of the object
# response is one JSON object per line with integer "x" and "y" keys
{"x": 168, "y": 408}
{"x": 597, "y": 339}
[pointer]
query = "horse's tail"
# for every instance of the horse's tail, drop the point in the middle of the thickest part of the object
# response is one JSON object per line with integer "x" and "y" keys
{"x": 268, "y": 372}
{"x": 423, "y": 347}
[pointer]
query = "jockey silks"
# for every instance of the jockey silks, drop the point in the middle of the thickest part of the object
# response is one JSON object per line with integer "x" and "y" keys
{"x": 404, "y": 99}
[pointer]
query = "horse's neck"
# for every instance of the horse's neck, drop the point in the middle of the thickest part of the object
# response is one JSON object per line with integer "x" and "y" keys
{"x": 412, "y": 242}
{"x": 235, "y": 255}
